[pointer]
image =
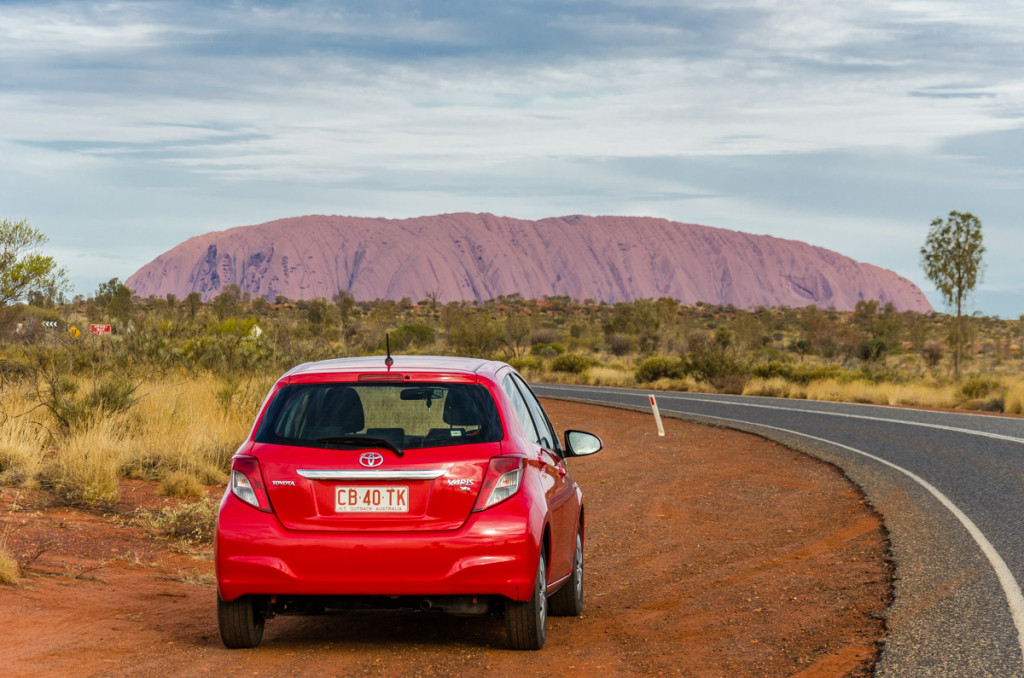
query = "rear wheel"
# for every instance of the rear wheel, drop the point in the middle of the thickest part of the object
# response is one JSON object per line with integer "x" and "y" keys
{"x": 240, "y": 621}
{"x": 568, "y": 600}
{"x": 527, "y": 622}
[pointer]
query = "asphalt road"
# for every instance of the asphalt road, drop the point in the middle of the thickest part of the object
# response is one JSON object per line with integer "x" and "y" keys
{"x": 950, "y": 488}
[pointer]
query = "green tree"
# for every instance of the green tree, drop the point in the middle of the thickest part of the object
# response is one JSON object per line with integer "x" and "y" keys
{"x": 23, "y": 268}
{"x": 116, "y": 299}
{"x": 225, "y": 304}
{"x": 345, "y": 302}
{"x": 318, "y": 314}
{"x": 192, "y": 302}
{"x": 951, "y": 258}
{"x": 515, "y": 335}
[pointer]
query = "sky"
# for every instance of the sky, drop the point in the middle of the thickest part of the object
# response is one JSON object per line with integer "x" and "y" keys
{"x": 129, "y": 127}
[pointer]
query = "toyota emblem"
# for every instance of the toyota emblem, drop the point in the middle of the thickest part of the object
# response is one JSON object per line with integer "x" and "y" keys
{"x": 371, "y": 459}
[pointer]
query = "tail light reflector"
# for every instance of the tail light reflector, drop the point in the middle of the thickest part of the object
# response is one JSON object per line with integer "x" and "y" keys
{"x": 247, "y": 483}
{"x": 502, "y": 480}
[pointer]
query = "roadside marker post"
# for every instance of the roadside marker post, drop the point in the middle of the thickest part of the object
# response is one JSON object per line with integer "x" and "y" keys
{"x": 657, "y": 415}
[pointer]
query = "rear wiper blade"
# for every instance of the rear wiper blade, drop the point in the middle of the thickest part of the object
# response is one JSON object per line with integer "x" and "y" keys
{"x": 364, "y": 441}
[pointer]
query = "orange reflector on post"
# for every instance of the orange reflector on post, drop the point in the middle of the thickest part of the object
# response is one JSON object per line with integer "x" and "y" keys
{"x": 657, "y": 415}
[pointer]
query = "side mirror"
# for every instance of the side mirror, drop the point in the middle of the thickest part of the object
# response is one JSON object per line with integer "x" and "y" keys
{"x": 581, "y": 443}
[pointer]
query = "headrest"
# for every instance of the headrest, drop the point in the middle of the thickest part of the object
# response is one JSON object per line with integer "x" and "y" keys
{"x": 343, "y": 409}
{"x": 459, "y": 408}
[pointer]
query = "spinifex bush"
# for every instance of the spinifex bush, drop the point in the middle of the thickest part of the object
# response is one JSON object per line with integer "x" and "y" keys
{"x": 527, "y": 363}
{"x": 572, "y": 363}
{"x": 611, "y": 376}
{"x": 9, "y": 569}
{"x": 194, "y": 522}
{"x": 83, "y": 469}
{"x": 776, "y": 387}
{"x": 1013, "y": 403}
{"x": 884, "y": 393}
{"x": 977, "y": 387}
{"x": 660, "y": 367}
{"x": 181, "y": 484}
{"x": 188, "y": 426}
{"x": 22, "y": 441}
{"x": 801, "y": 373}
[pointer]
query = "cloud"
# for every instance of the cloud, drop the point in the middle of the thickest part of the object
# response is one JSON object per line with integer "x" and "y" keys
{"x": 762, "y": 115}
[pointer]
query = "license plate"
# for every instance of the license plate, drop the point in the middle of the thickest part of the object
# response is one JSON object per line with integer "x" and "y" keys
{"x": 375, "y": 499}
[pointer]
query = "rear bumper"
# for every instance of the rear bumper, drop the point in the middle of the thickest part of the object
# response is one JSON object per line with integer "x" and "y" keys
{"x": 494, "y": 553}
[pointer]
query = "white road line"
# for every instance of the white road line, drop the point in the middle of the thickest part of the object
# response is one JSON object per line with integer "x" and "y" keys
{"x": 1011, "y": 589}
{"x": 668, "y": 396}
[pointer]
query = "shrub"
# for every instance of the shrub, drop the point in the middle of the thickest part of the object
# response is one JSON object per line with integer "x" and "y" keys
{"x": 978, "y": 387}
{"x": 112, "y": 395}
{"x": 611, "y": 375}
{"x": 416, "y": 334}
{"x": 543, "y": 336}
{"x": 181, "y": 484}
{"x": 527, "y": 362}
{"x": 660, "y": 367}
{"x": 714, "y": 364}
{"x": 802, "y": 374}
{"x": 474, "y": 337}
{"x": 572, "y": 363}
{"x": 194, "y": 522}
{"x": 621, "y": 344}
{"x": 776, "y": 387}
{"x": 547, "y": 350}
{"x": 73, "y": 412}
{"x": 932, "y": 353}
{"x": 8, "y": 567}
{"x": 871, "y": 349}
{"x": 1013, "y": 403}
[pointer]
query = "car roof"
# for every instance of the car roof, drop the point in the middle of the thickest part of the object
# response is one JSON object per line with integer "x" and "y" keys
{"x": 402, "y": 364}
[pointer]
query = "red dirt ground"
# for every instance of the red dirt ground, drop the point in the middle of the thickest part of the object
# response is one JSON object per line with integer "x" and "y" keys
{"x": 709, "y": 553}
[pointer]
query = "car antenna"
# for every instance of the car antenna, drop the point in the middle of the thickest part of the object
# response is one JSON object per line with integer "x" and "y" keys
{"x": 389, "y": 361}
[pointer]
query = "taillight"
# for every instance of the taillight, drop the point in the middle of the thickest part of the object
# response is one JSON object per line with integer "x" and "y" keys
{"x": 247, "y": 483}
{"x": 502, "y": 480}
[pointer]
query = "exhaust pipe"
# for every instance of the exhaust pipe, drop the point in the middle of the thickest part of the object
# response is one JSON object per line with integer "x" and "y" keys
{"x": 426, "y": 604}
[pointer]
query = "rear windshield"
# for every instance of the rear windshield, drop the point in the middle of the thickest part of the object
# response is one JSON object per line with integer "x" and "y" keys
{"x": 406, "y": 415}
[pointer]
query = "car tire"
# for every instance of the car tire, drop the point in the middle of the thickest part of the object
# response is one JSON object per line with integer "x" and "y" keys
{"x": 240, "y": 622}
{"x": 527, "y": 622}
{"x": 568, "y": 600}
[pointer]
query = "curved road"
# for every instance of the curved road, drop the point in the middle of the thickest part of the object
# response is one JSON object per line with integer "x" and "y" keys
{"x": 950, "y": 488}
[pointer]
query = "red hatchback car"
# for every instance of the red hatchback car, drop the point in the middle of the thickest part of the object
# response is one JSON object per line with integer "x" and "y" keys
{"x": 426, "y": 482}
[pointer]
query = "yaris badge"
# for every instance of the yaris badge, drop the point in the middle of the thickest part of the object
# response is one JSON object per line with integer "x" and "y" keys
{"x": 371, "y": 459}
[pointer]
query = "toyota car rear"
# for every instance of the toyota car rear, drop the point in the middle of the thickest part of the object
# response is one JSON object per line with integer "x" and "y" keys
{"x": 422, "y": 483}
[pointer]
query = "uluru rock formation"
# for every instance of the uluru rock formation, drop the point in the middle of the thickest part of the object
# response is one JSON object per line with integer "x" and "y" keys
{"x": 454, "y": 257}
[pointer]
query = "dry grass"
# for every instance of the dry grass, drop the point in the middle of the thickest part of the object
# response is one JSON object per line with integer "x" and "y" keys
{"x": 181, "y": 484}
{"x": 776, "y": 387}
{"x": 182, "y": 432}
{"x": 194, "y": 522}
{"x": 22, "y": 442}
{"x": 192, "y": 427}
{"x": 197, "y": 578}
{"x": 610, "y": 376}
{"x": 84, "y": 469}
{"x": 9, "y": 569}
{"x": 885, "y": 393}
{"x": 1013, "y": 403}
